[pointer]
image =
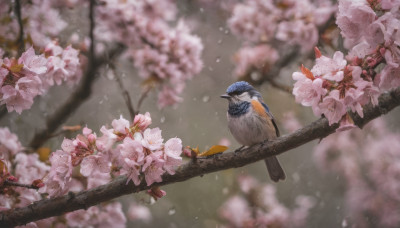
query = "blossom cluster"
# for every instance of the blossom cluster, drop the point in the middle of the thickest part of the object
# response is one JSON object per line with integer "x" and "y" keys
{"x": 42, "y": 23}
{"x": 332, "y": 86}
{"x": 105, "y": 215}
{"x": 367, "y": 160}
{"x": 17, "y": 166}
{"x": 258, "y": 206}
{"x": 372, "y": 33}
{"x": 22, "y": 79}
{"x": 130, "y": 149}
{"x": 335, "y": 85}
{"x": 163, "y": 55}
{"x": 262, "y": 22}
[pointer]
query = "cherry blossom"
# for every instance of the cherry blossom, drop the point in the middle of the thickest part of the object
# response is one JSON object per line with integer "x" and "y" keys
{"x": 257, "y": 206}
{"x": 139, "y": 212}
{"x": 142, "y": 121}
{"x": 368, "y": 168}
{"x": 152, "y": 139}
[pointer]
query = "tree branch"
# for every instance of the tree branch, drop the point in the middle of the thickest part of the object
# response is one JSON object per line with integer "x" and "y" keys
{"x": 16, "y": 184}
{"x": 142, "y": 97}
{"x": 20, "y": 40}
{"x": 118, "y": 187}
{"x": 125, "y": 93}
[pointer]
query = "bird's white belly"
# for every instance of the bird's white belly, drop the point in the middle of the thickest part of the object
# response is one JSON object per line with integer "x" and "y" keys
{"x": 250, "y": 128}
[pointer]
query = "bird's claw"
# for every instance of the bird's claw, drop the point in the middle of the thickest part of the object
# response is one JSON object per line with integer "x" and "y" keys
{"x": 239, "y": 149}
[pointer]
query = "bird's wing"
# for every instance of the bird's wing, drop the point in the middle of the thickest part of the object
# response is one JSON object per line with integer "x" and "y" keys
{"x": 272, "y": 118}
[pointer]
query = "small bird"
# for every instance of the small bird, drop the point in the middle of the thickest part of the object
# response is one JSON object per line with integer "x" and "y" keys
{"x": 250, "y": 122}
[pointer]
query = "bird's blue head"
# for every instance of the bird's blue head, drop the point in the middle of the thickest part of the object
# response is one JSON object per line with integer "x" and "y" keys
{"x": 239, "y": 87}
{"x": 240, "y": 91}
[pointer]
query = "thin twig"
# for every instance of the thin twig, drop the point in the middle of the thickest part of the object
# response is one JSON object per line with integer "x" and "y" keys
{"x": 118, "y": 187}
{"x": 280, "y": 86}
{"x": 142, "y": 97}
{"x": 20, "y": 40}
{"x": 125, "y": 93}
{"x": 16, "y": 184}
{"x": 92, "y": 59}
{"x": 3, "y": 111}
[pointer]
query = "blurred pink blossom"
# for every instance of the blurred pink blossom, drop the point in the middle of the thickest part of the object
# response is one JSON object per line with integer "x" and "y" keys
{"x": 260, "y": 58}
{"x": 139, "y": 212}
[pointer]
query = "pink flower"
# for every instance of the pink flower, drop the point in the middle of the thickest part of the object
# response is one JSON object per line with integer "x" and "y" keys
{"x": 86, "y": 131}
{"x": 142, "y": 121}
{"x": 131, "y": 159}
{"x": 61, "y": 167}
{"x": 28, "y": 168}
{"x": 139, "y": 212}
{"x": 298, "y": 32}
{"x": 112, "y": 216}
{"x": 83, "y": 217}
{"x": 131, "y": 150}
{"x": 168, "y": 97}
{"x": 156, "y": 192}
{"x": 247, "y": 183}
{"x": 93, "y": 163}
{"x": 333, "y": 107}
{"x": 260, "y": 57}
{"x": 32, "y": 62}
{"x": 330, "y": 69}
{"x": 237, "y": 211}
{"x": 306, "y": 91}
{"x": 21, "y": 96}
{"x": 254, "y": 20}
{"x": 346, "y": 123}
{"x": 353, "y": 18}
{"x": 152, "y": 139}
{"x": 120, "y": 125}
{"x": 388, "y": 78}
{"x": 153, "y": 167}
{"x": 9, "y": 143}
{"x": 63, "y": 65}
{"x": 97, "y": 178}
{"x": 291, "y": 122}
{"x": 172, "y": 152}
{"x": 107, "y": 140}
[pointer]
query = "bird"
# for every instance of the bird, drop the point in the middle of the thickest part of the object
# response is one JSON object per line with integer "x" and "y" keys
{"x": 250, "y": 122}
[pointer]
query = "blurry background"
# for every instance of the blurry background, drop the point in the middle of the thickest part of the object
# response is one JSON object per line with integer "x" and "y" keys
{"x": 200, "y": 120}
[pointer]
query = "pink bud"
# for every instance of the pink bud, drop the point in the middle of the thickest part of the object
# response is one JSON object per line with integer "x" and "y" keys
{"x": 12, "y": 179}
{"x": 91, "y": 138}
{"x": 86, "y": 131}
{"x": 156, "y": 192}
{"x": 142, "y": 121}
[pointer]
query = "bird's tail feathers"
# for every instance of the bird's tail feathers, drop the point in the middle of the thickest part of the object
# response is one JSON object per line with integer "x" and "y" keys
{"x": 275, "y": 170}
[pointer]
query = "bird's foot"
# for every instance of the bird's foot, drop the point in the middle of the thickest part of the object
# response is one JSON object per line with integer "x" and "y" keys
{"x": 239, "y": 149}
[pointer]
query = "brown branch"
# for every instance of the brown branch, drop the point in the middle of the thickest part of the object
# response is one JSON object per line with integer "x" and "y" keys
{"x": 142, "y": 97}
{"x": 20, "y": 40}
{"x": 3, "y": 111}
{"x": 118, "y": 187}
{"x": 280, "y": 86}
{"x": 16, "y": 184}
{"x": 125, "y": 93}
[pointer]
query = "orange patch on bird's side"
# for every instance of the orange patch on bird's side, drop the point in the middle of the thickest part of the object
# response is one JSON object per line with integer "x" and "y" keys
{"x": 257, "y": 106}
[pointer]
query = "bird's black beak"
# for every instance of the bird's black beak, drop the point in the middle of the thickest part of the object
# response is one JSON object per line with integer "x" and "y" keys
{"x": 226, "y": 96}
